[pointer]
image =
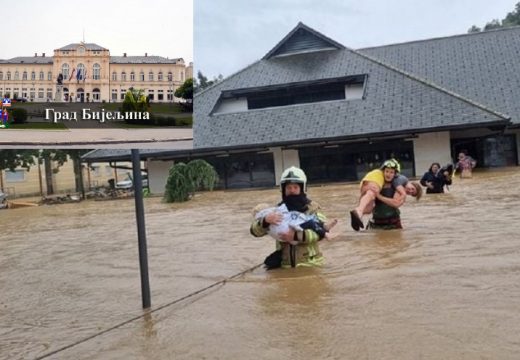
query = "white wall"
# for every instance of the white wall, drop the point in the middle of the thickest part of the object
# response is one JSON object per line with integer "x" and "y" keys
{"x": 354, "y": 91}
{"x": 429, "y": 148}
{"x": 231, "y": 105}
{"x": 157, "y": 175}
{"x": 284, "y": 159}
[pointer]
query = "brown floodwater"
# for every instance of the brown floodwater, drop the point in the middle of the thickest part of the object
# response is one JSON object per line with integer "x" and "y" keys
{"x": 447, "y": 286}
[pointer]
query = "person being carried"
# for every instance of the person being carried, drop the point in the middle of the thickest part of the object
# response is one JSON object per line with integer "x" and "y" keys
{"x": 293, "y": 247}
{"x": 293, "y": 220}
{"x": 372, "y": 184}
{"x": 386, "y": 214}
{"x": 465, "y": 165}
{"x": 436, "y": 177}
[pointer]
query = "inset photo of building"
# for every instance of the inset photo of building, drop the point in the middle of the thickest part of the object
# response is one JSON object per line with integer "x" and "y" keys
{"x": 89, "y": 74}
{"x": 107, "y": 82}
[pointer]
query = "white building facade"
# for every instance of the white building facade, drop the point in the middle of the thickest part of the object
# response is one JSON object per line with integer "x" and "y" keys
{"x": 90, "y": 74}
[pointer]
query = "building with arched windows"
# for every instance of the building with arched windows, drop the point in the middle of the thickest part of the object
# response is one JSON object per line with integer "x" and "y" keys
{"x": 90, "y": 73}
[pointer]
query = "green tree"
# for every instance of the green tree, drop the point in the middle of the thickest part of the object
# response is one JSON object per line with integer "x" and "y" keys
{"x": 135, "y": 100}
{"x": 185, "y": 91}
{"x": 185, "y": 179}
{"x": 493, "y": 24}
{"x": 11, "y": 159}
{"x": 202, "y": 174}
{"x": 202, "y": 81}
{"x": 512, "y": 19}
{"x": 51, "y": 159}
{"x": 18, "y": 115}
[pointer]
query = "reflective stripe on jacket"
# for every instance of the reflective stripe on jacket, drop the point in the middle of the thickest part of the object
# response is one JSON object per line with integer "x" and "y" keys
{"x": 306, "y": 252}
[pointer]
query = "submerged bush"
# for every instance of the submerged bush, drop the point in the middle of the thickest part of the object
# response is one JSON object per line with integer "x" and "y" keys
{"x": 185, "y": 179}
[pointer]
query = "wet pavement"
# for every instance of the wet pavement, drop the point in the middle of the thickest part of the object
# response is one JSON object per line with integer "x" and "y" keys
{"x": 445, "y": 287}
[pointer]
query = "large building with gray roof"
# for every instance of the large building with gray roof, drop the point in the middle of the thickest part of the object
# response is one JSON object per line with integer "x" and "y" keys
{"x": 338, "y": 112}
{"x": 90, "y": 74}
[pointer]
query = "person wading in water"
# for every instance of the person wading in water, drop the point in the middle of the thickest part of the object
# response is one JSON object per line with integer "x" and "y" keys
{"x": 374, "y": 183}
{"x": 306, "y": 251}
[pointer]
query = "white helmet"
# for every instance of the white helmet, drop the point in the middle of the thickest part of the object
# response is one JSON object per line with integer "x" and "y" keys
{"x": 392, "y": 164}
{"x": 294, "y": 175}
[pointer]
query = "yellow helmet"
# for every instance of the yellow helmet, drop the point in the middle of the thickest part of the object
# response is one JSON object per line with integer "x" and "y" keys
{"x": 392, "y": 164}
{"x": 294, "y": 175}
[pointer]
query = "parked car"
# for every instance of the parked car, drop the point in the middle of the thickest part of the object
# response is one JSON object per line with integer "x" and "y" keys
{"x": 128, "y": 183}
{"x": 124, "y": 184}
{"x": 19, "y": 99}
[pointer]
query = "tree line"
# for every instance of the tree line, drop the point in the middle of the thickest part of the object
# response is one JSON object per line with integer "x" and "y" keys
{"x": 512, "y": 19}
{"x": 21, "y": 158}
{"x": 202, "y": 82}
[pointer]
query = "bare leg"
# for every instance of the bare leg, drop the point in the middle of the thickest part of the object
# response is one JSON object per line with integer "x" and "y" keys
{"x": 327, "y": 226}
{"x": 367, "y": 200}
{"x": 366, "y": 203}
{"x": 330, "y": 224}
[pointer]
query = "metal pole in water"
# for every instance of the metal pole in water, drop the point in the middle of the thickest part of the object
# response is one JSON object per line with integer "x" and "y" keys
{"x": 141, "y": 229}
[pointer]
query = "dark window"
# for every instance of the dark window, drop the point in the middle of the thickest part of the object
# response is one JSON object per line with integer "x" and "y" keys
{"x": 244, "y": 170}
{"x": 350, "y": 162}
{"x": 296, "y": 95}
{"x": 495, "y": 150}
{"x": 299, "y": 93}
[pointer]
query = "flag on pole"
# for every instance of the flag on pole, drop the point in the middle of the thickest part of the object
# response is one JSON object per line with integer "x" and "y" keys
{"x": 85, "y": 76}
{"x": 78, "y": 74}
{"x": 72, "y": 74}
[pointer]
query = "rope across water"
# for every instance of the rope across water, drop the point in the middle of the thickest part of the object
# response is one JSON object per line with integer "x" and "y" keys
{"x": 221, "y": 282}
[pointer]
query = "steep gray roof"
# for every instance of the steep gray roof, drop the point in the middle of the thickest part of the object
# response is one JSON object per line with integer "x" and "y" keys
{"x": 484, "y": 67}
{"x": 142, "y": 60}
{"x": 88, "y": 46}
{"x": 302, "y": 39}
{"x": 28, "y": 60}
{"x": 395, "y": 103}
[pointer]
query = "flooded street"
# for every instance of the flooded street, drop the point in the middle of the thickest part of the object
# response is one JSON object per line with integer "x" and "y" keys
{"x": 447, "y": 286}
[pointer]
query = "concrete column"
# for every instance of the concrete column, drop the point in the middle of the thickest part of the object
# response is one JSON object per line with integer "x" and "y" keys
{"x": 284, "y": 159}
{"x": 429, "y": 148}
{"x": 158, "y": 171}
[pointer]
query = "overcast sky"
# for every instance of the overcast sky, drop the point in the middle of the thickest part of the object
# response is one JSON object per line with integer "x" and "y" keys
{"x": 231, "y": 34}
{"x": 158, "y": 27}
